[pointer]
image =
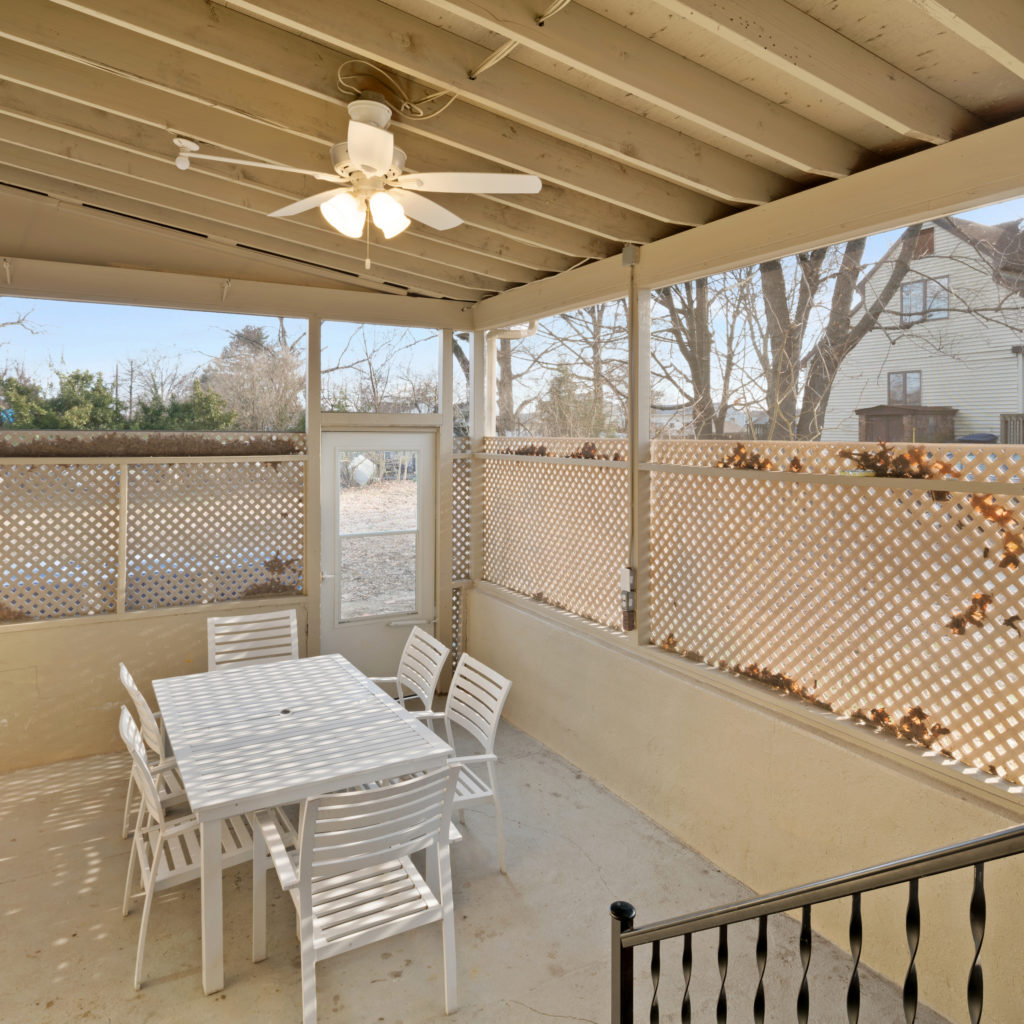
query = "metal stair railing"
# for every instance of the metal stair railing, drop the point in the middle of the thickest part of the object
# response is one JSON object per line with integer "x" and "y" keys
{"x": 974, "y": 854}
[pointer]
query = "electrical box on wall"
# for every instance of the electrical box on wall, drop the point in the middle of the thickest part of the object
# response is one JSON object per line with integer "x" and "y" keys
{"x": 627, "y": 586}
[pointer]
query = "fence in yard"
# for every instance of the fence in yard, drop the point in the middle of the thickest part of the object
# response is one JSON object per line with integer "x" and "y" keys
{"x": 895, "y": 600}
{"x": 95, "y": 535}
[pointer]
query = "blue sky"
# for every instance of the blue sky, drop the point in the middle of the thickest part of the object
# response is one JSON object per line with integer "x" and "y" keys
{"x": 84, "y": 335}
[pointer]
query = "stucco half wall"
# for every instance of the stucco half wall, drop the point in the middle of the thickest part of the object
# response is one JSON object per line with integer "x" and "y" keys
{"x": 59, "y": 685}
{"x": 761, "y": 785}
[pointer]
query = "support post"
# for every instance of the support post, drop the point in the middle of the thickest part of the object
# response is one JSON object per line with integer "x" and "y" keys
{"x": 638, "y": 312}
{"x": 313, "y": 553}
{"x": 443, "y": 540}
{"x": 623, "y": 915}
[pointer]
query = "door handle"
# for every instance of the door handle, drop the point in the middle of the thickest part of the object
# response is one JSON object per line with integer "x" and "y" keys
{"x": 412, "y": 622}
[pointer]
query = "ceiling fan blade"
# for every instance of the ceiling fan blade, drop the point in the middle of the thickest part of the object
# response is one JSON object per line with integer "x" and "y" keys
{"x": 370, "y": 148}
{"x": 426, "y": 211}
{"x": 308, "y": 203}
{"x": 321, "y": 175}
{"x": 467, "y": 181}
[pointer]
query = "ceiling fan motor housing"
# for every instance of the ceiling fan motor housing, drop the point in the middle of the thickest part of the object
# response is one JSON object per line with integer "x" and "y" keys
{"x": 344, "y": 166}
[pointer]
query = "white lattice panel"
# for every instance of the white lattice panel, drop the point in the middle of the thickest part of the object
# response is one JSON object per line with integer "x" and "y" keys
{"x": 215, "y": 531}
{"x": 462, "y": 475}
{"x": 849, "y": 589}
{"x": 58, "y": 540}
{"x": 558, "y": 533}
{"x": 992, "y": 463}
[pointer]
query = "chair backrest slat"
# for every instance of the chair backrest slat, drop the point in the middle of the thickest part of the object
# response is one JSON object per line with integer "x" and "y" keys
{"x": 263, "y": 636}
{"x": 475, "y": 701}
{"x": 344, "y": 832}
{"x": 143, "y": 777}
{"x": 148, "y": 724}
{"x": 420, "y": 666}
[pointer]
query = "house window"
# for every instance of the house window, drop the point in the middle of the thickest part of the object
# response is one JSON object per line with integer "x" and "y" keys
{"x": 924, "y": 300}
{"x": 905, "y": 387}
{"x": 925, "y": 243}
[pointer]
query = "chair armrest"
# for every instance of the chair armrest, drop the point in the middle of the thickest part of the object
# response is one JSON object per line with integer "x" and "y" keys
{"x": 383, "y": 679}
{"x": 431, "y": 715}
{"x": 472, "y": 758}
{"x": 283, "y": 864}
{"x": 163, "y": 767}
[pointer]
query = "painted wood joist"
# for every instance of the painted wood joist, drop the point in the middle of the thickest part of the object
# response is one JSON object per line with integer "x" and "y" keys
{"x": 633, "y": 64}
{"x": 57, "y": 229}
{"x": 981, "y": 168}
{"x": 476, "y": 249}
{"x": 74, "y": 172}
{"x": 993, "y": 27}
{"x": 130, "y": 138}
{"x": 216, "y": 107}
{"x": 308, "y": 66}
{"x": 837, "y": 68}
{"x": 511, "y": 90}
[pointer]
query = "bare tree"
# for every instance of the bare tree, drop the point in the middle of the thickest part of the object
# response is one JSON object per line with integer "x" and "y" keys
{"x": 260, "y": 378}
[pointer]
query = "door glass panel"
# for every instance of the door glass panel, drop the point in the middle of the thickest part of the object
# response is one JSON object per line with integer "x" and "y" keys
{"x": 377, "y": 531}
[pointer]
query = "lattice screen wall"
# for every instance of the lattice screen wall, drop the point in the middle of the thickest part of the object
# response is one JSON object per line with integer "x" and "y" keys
{"x": 462, "y": 476}
{"x": 206, "y": 532}
{"x": 848, "y": 585}
{"x": 198, "y": 531}
{"x": 556, "y": 530}
{"x": 59, "y": 540}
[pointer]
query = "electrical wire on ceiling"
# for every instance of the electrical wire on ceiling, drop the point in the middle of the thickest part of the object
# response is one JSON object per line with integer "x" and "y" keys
{"x": 415, "y": 109}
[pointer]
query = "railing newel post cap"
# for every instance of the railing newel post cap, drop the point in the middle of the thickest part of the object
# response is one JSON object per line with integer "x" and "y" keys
{"x": 623, "y": 911}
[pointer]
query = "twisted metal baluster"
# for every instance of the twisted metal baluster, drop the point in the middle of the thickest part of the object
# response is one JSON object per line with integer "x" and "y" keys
{"x": 803, "y": 999}
{"x": 655, "y": 978}
{"x": 684, "y": 1010}
{"x": 762, "y": 960}
{"x": 856, "y": 943}
{"x": 975, "y": 982}
{"x": 913, "y": 939}
{"x": 722, "y": 1010}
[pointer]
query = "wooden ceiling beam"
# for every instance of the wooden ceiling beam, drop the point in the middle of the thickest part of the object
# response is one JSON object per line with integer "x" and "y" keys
{"x": 77, "y": 84}
{"x": 129, "y": 194}
{"x": 127, "y": 139}
{"x": 632, "y": 63}
{"x": 412, "y": 47}
{"x": 784, "y": 37}
{"x": 993, "y": 27}
{"x": 205, "y": 32}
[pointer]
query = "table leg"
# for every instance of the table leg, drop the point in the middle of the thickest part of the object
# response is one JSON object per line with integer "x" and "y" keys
{"x": 213, "y": 909}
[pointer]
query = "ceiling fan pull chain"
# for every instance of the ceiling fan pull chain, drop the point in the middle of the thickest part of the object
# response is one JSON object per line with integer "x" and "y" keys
{"x": 367, "y": 261}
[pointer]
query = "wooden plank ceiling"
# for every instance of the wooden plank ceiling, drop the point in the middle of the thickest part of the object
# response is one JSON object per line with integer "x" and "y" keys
{"x": 642, "y": 119}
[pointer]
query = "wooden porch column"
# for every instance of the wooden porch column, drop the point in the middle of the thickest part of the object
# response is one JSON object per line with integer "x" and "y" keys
{"x": 313, "y": 554}
{"x": 638, "y": 311}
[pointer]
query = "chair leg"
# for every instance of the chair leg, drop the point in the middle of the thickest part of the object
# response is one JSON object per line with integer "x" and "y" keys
{"x": 133, "y": 860}
{"x": 308, "y": 972}
{"x": 260, "y": 863}
{"x": 147, "y": 904}
{"x": 498, "y": 825}
{"x": 443, "y": 862}
{"x": 128, "y": 804}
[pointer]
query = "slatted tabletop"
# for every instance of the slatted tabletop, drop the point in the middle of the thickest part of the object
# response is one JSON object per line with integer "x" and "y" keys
{"x": 259, "y": 735}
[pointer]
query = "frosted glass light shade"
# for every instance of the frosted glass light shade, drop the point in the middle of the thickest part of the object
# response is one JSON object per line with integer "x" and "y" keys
{"x": 388, "y": 214}
{"x": 345, "y": 213}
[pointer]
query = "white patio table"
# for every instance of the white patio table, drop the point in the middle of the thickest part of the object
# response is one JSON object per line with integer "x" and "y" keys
{"x": 258, "y": 736}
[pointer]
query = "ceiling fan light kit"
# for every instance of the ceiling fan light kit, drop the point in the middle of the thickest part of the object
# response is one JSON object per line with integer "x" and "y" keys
{"x": 369, "y": 176}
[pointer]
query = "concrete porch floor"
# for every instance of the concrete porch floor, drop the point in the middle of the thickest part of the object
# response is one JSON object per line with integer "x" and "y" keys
{"x": 532, "y": 946}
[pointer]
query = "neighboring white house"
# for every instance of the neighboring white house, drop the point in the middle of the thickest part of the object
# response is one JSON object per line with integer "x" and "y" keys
{"x": 947, "y": 338}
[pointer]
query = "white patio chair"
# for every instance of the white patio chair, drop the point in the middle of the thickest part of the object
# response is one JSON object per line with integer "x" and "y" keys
{"x": 263, "y": 636}
{"x": 419, "y": 669}
{"x": 352, "y": 878}
{"x": 163, "y": 768}
{"x": 475, "y": 701}
{"x": 166, "y": 853}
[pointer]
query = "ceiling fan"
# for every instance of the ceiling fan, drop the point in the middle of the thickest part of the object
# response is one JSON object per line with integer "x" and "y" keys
{"x": 369, "y": 176}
